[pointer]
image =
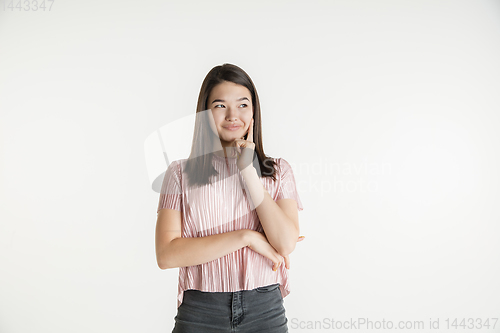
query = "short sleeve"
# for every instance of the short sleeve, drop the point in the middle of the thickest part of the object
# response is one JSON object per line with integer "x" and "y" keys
{"x": 287, "y": 188}
{"x": 171, "y": 191}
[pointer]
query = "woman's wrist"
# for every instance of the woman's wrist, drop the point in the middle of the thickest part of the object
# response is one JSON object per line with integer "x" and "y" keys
{"x": 248, "y": 236}
{"x": 249, "y": 171}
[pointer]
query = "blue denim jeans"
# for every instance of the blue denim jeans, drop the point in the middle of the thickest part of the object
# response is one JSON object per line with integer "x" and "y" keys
{"x": 257, "y": 310}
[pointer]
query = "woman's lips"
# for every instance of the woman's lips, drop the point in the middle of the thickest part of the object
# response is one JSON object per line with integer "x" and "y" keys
{"x": 232, "y": 128}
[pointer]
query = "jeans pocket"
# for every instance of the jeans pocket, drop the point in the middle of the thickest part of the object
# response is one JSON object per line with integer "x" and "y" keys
{"x": 267, "y": 289}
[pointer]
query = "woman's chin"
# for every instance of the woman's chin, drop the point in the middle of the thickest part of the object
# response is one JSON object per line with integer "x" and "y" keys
{"x": 228, "y": 140}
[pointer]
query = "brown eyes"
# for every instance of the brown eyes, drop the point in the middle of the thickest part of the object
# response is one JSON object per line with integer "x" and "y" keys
{"x": 217, "y": 106}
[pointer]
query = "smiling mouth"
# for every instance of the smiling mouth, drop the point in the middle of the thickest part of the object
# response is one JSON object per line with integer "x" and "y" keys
{"x": 232, "y": 128}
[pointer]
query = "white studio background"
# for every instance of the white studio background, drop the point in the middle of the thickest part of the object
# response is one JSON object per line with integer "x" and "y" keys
{"x": 388, "y": 112}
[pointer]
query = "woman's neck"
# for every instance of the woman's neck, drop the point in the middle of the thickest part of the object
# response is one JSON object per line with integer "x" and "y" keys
{"x": 227, "y": 151}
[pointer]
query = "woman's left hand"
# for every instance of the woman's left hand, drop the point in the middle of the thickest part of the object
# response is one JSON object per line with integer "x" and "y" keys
{"x": 245, "y": 149}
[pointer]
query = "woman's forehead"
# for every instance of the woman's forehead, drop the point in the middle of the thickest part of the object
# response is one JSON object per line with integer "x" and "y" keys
{"x": 230, "y": 90}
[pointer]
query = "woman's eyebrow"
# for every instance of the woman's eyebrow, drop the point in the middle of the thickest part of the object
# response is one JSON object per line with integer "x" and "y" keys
{"x": 223, "y": 101}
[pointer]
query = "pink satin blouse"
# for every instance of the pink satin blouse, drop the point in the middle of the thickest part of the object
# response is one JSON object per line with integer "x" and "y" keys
{"x": 223, "y": 207}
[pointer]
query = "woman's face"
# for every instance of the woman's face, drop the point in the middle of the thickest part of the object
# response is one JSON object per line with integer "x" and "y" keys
{"x": 231, "y": 105}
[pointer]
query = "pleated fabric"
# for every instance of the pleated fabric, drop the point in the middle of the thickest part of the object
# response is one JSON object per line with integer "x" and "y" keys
{"x": 221, "y": 207}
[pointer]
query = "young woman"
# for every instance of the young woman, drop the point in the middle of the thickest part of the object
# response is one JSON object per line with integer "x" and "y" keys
{"x": 228, "y": 216}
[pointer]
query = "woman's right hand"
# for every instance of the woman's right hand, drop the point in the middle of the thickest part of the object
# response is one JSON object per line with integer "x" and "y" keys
{"x": 259, "y": 243}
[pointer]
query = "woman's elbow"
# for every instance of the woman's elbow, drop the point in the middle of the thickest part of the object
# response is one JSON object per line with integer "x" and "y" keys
{"x": 286, "y": 250}
{"x": 161, "y": 264}
{"x": 163, "y": 261}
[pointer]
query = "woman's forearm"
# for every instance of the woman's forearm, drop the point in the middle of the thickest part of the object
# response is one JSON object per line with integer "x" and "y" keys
{"x": 190, "y": 251}
{"x": 279, "y": 228}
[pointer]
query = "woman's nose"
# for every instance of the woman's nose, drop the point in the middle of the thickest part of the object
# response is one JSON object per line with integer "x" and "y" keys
{"x": 231, "y": 115}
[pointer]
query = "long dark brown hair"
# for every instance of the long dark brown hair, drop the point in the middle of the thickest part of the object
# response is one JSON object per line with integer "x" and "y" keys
{"x": 199, "y": 164}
